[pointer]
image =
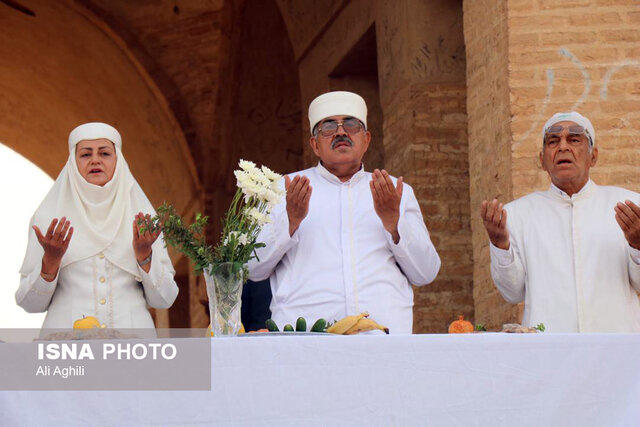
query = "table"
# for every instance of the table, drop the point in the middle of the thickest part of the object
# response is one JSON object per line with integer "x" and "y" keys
{"x": 490, "y": 379}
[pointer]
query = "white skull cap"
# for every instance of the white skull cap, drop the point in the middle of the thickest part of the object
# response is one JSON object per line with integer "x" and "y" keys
{"x": 337, "y": 103}
{"x": 574, "y": 117}
{"x": 95, "y": 130}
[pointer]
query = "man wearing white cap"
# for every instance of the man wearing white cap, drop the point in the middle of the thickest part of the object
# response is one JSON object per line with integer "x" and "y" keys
{"x": 571, "y": 252}
{"x": 354, "y": 243}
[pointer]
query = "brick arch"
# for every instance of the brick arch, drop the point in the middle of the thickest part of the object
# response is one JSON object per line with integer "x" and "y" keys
{"x": 62, "y": 66}
{"x": 65, "y": 67}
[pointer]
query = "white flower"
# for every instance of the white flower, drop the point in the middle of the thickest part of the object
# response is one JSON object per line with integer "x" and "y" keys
{"x": 247, "y": 166}
{"x": 243, "y": 239}
{"x": 272, "y": 197}
{"x": 271, "y": 175}
{"x": 242, "y": 179}
{"x": 260, "y": 178}
{"x": 260, "y": 218}
{"x": 248, "y": 186}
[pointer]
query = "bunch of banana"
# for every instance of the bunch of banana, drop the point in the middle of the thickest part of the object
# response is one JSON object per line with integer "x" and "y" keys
{"x": 365, "y": 325}
{"x": 355, "y": 324}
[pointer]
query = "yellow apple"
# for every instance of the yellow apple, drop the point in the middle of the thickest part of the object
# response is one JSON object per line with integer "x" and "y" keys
{"x": 87, "y": 322}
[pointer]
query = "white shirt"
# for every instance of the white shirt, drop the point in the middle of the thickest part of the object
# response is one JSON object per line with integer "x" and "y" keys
{"x": 96, "y": 287}
{"x": 341, "y": 260}
{"x": 570, "y": 262}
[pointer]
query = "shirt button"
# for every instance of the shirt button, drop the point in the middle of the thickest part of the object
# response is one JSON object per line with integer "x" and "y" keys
{"x": 103, "y": 326}
{"x": 101, "y": 255}
{"x": 102, "y": 280}
{"x": 103, "y": 301}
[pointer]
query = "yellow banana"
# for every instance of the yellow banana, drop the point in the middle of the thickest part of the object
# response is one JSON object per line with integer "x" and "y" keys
{"x": 365, "y": 325}
{"x": 343, "y": 325}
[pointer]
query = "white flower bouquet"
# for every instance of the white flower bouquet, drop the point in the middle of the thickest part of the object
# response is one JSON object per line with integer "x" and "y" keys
{"x": 258, "y": 192}
{"x": 225, "y": 266}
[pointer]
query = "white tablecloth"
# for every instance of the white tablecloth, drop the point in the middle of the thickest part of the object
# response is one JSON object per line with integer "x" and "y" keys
{"x": 425, "y": 380}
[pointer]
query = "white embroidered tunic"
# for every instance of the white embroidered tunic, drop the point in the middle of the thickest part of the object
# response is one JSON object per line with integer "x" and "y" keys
{"x": 96, "y": 287}
{"x": 341, "y": 260}
{"x": 569, "y": 261}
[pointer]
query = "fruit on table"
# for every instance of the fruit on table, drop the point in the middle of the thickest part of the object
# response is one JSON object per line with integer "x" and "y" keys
{"x": 271, "y": 325}
{"x": 301, "y": 325}
{"x": 365, "y": 325}
{"x": 87, "y": 322}
{"x": 319, "y": 326}
{"x": 343, "y": 325}
{"x": 460, "y": 326}
{"x": 210, "y": 331}
{"x": 517, "y": 328}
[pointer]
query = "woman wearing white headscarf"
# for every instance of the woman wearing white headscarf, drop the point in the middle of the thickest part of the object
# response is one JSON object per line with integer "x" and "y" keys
{"x": 84, "y": 256}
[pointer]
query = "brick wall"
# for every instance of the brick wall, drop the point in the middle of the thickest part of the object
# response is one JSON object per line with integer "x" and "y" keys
{"x": 431, "y": 154}
{"x": 545, "y": 56}
{"x": 576, "y": 55}
{"x": 490, "y": 162}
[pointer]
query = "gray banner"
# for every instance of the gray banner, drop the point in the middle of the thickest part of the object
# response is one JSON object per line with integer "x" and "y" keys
{"x": 101, "y": 359}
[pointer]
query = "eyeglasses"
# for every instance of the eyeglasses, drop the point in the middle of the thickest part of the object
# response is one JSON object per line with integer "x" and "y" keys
{"x": 351, "y": 125}
{"x": 553, "y": 134}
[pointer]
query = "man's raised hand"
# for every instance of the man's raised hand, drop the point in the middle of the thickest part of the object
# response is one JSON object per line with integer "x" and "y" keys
{"x": 386, "y": 201}
{"x": 494, "y": 217}
{"x": 628, "y": 218}
{"x": 298, "y": 196}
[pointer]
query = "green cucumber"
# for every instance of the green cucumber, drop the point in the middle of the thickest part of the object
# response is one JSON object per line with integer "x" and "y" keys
{"x": 319, "y": 326}
{"x": 301, "y": 325}
{"x": 288, "y": 328}
{"x": 271, "y": 325}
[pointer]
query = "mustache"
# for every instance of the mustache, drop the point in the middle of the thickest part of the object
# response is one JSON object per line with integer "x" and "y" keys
{"x": 341, "y": 138}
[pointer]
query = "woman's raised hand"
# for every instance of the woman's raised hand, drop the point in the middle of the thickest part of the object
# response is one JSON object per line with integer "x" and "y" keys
{"x": 142, "y": 241}
{"x": 55, "y": 243}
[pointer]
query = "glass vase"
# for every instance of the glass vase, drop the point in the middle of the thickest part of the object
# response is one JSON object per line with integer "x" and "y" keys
{"x": 224, "y": 289}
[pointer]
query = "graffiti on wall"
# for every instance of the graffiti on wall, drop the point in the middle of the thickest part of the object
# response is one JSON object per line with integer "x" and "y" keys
{"x": 611, "y": 70}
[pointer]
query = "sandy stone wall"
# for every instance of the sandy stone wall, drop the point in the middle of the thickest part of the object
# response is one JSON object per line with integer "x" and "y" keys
{"x": 488, "y": 107}
{"x": 576, "y": 55}
{"x": 527, "y": 60}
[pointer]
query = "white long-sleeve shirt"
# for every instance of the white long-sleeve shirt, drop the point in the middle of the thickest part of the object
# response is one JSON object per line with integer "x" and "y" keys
{"x": 341, "y": 260}
{"x": 96, "y": 287}
{"x": 570, "y": 262}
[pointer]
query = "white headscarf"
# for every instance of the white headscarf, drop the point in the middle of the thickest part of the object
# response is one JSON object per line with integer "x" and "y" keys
{"x": 101, "y": 217}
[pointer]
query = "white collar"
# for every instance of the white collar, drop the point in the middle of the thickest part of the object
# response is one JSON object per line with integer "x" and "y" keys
{"x": 323, "y": 172}
{"x": 584, "y": 191}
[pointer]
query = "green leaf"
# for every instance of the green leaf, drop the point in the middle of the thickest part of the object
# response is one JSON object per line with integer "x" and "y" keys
{"x": 237, "y": 266}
